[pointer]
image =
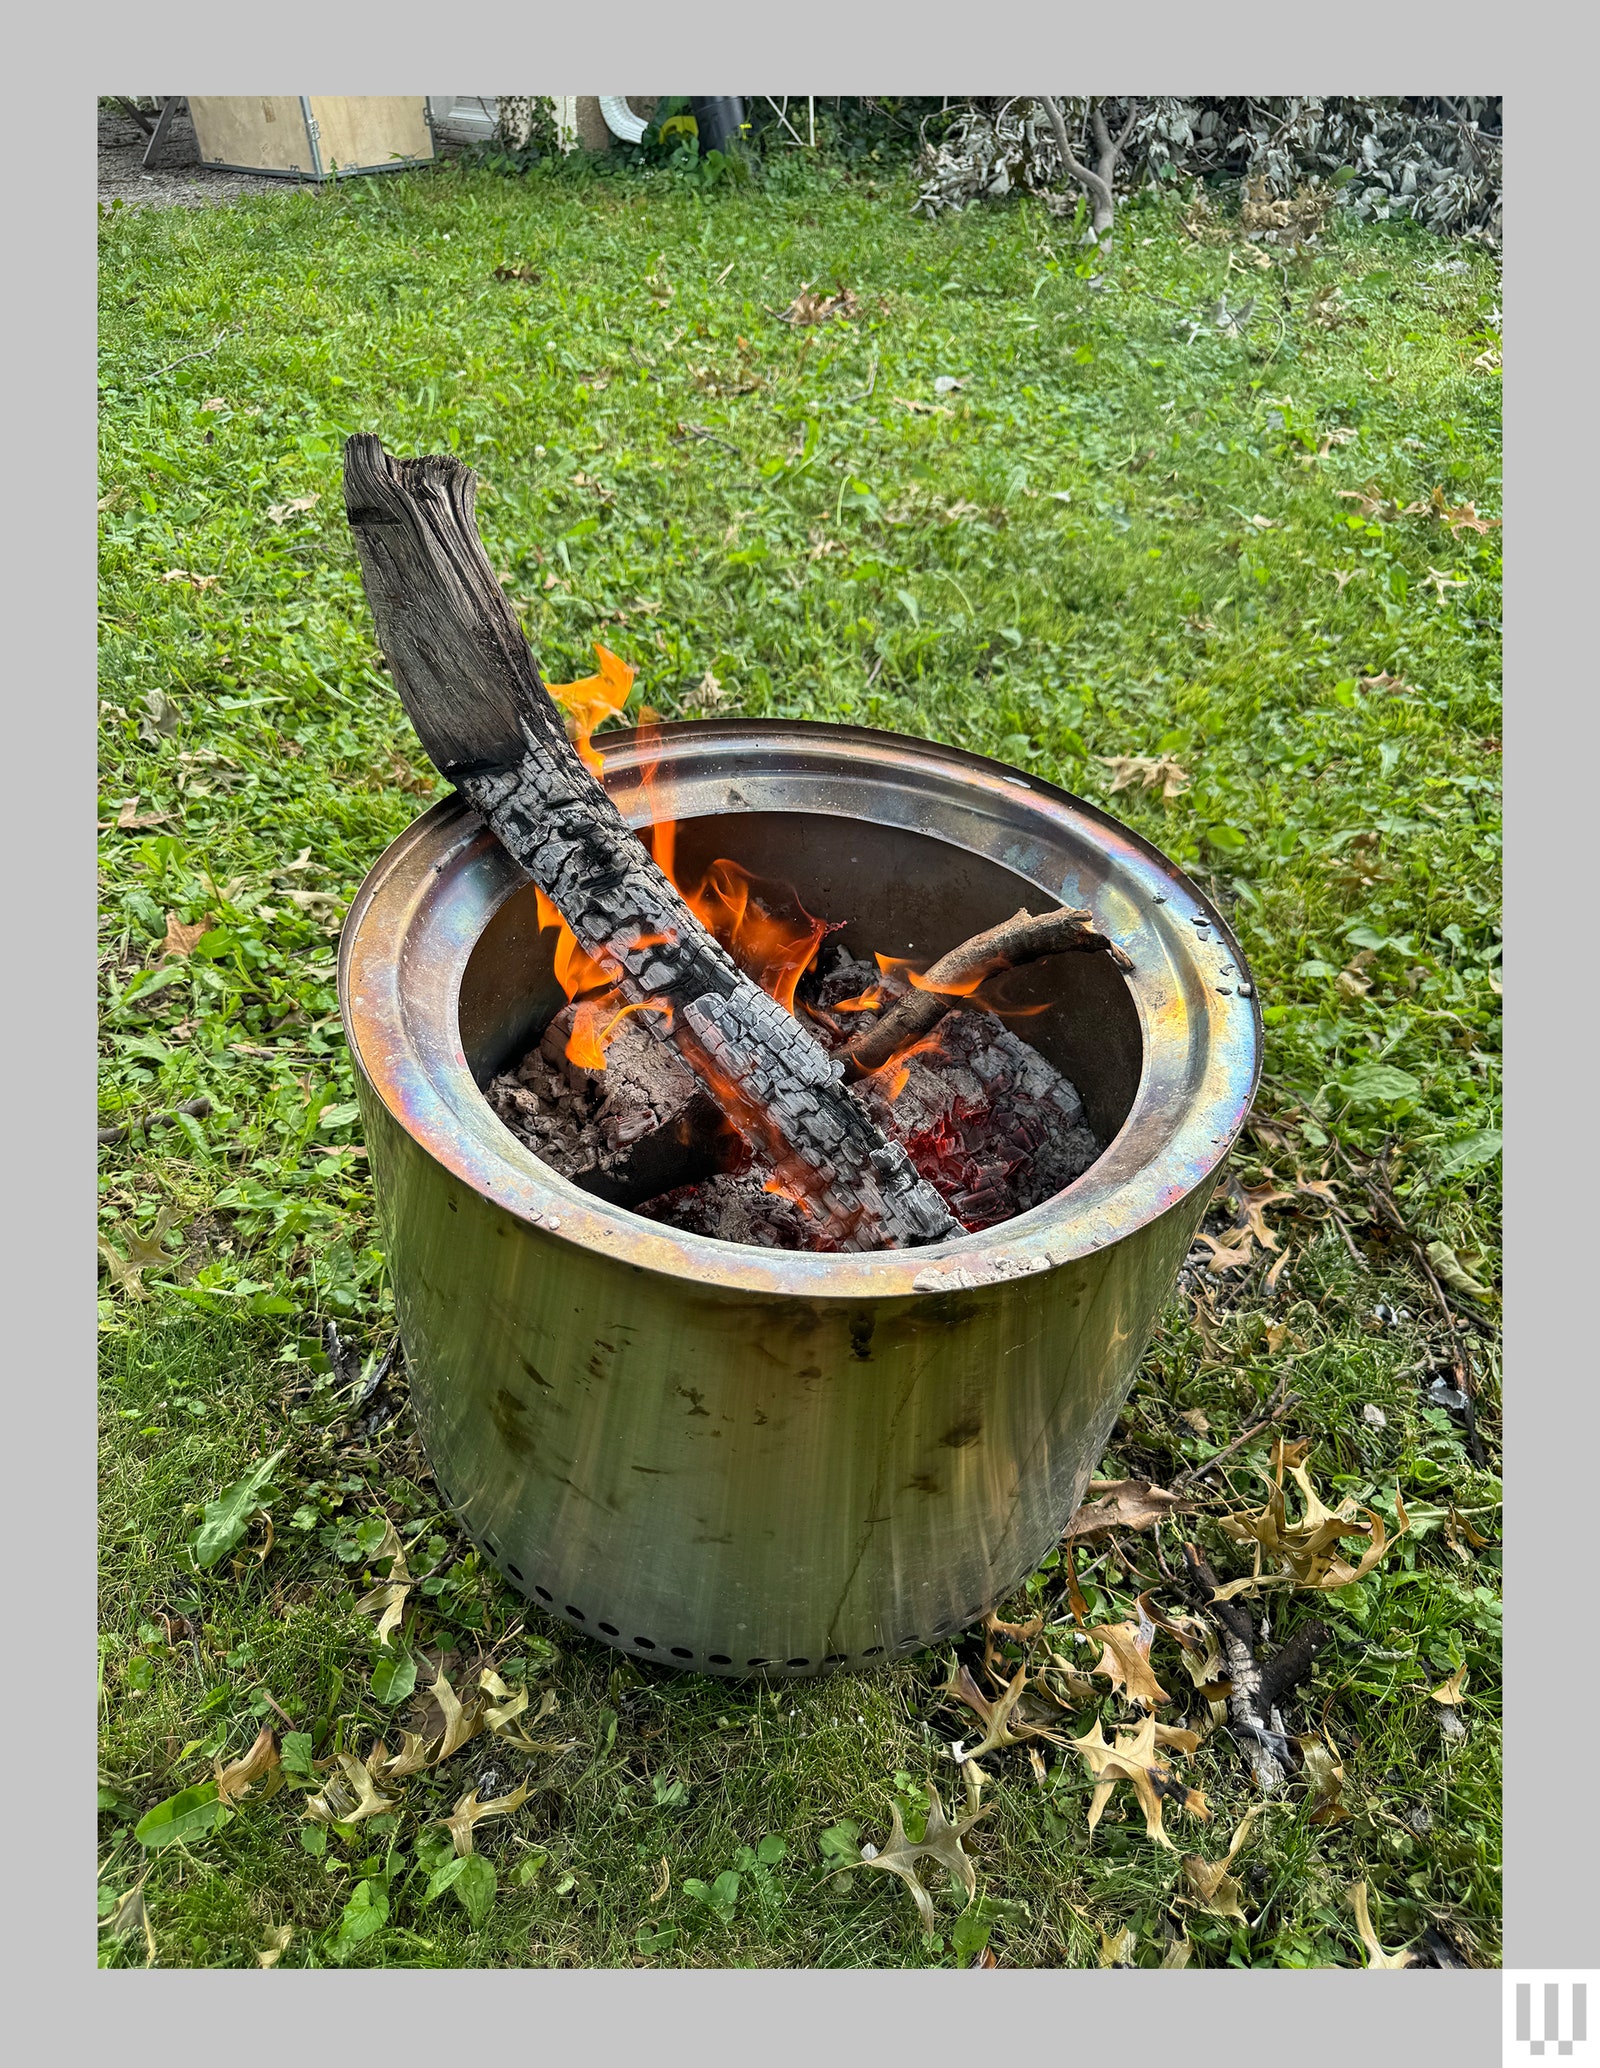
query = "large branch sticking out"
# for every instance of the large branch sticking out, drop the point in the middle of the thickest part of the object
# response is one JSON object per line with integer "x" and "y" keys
{"x": 1024, "y": 937}
{"x": 1100, "y": 184}
{"x": 472, "y": 690}
{"x": 1258, "y": 1687}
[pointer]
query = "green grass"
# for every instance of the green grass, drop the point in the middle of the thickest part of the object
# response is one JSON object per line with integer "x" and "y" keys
{"x": 1119, "y": 537}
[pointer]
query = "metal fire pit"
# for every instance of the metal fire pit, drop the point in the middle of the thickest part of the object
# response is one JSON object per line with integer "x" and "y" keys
{"x": 740, "y": 1460}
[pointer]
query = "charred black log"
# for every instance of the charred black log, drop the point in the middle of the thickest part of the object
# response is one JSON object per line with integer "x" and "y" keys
{"x": 473, "y": 692}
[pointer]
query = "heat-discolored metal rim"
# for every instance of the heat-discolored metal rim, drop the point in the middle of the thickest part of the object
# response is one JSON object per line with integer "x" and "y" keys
{"x": 425, "y": 903}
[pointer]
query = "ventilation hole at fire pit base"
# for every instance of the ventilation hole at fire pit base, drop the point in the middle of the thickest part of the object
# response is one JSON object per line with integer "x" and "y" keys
{"x": 544, "y": 1593}
{"x": 835, "y": 1658}
{"x": 493, "y": 1553}
{"x": 797, "y": 1662}
{"x": 611, "y": 1629}
{"x": 513, "y": 1570}
{"x": 647, "y": 1644}
{"x": 576, "y": 1614}
{"x": 758, "y": 1662}
{"x": 718, "y": 1659}
{"x": 678, "y": 1652}
{"x": 873, "y": 1651}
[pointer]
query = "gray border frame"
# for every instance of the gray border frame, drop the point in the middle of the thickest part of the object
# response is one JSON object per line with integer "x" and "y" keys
{"x": 1550, "y": 1817}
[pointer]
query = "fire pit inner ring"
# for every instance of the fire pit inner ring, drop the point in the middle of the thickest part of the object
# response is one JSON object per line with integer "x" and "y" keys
{"x": 745, "y": 1460}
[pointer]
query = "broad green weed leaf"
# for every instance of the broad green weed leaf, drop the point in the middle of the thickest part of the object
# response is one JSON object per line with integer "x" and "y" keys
{"x": 294, "y": 1752}
{"x": 1378, "y": 1084}
{"x": 445, "y": 1877}
{"x": 393, "y": 1678}
{"x": 183, "y": 1817}
{"x": 1481, "y": 1147}
{"x": 475, "y": 1886}
{"x": 228, "y": 1517}
{"x": 365, "y": 1915}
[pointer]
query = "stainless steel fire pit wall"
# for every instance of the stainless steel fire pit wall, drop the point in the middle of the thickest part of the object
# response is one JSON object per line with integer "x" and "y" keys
{"x": 740, "y": 1460}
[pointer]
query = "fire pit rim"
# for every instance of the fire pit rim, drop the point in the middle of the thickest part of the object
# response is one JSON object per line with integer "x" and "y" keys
{"x": 414, "y": 1061}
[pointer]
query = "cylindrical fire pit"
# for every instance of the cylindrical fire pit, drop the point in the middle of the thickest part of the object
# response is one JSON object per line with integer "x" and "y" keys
{"x": 740, "y": 1460}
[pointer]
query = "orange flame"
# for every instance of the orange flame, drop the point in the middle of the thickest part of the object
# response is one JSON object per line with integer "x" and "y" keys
{"x": 868, "y": 1001}
{"x": 589, "y": 1039}
{"x": 593, "y": 700}
{"x": 963, "y": 987}
{"x": 892, "y": 1077}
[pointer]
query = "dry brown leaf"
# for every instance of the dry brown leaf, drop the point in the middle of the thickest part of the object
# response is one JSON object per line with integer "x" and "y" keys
{"x": 140, "y": 1253}
{"x": 412, "y": 1758}
{"x": 1177, "y": 1954}
{"x": 181, "y": 938}
{"x": 132, "y": 820}
{"x": 1133, "y": 1759}
{"x": 387, "y": 1601}
{"x": 1376, "y": 1957}
{"x": 280, "y": 513}
{"x": 1324, "y": 1780}
{"x": 195, "y": 581}
{"x": 1214, "y": 1888}
{"x": 258, "y": 1764}
{"x": 1306, "y": 1551}
{"x": 810, "y": 307}
{"x": 1231, "y": 1254}
{"x": 131, "y": 1916}
{"x": 469, "y": 1811}
{"x": 461, "y": 1722}
{"x": 1124, "y": 1504}
{"x": 1118, "y": 1951}
{"x": 940, "y": 1841}
{"x": 1146, "y": 770}
{"x": 997, "y": 1713}
{"x": 1125, "y": 1661}
{"x": 337, "y": 1804}
{"x": 1452, "y": 1693}
{"x": 276, "y": 1947}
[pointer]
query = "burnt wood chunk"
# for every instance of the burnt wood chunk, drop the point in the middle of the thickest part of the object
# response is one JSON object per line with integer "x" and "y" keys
{"x": 472, "y": 689}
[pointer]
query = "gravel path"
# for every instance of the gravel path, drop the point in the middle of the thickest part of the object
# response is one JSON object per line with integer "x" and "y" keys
{"x": 177, "y": 179}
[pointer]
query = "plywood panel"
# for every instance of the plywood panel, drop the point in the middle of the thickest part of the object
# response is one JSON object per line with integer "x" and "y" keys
{"x": 264, "y": 133}
{"x": 372, "y": 130}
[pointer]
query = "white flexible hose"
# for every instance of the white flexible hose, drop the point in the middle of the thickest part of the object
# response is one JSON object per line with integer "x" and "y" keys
{"x": 622, "y": 122}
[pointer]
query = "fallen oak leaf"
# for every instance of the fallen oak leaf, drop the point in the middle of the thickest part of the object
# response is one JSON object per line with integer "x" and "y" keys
{"x": 1124, "y": 1504}
{"x": 1307, "y": 1549}
{"x": 387, "y": 1601}
{"x": 276, "y": 1947}
{"x": 1324, "y": 1774}
{"x": 1376, "y": 1957}
{"x": 338, "y": 1805}
{"x": 469, "y": 1811}
{"x": 1213, "y": 1887}
{"x": 1125, "y": 1661}
{"x": 260, "y": 1763}
{"x": 1133, "y": 1759}
{"x": 940, "y": 1841}
{"x": 181, "y": 938}
{"x": 129, "y": 1916}
{"x": 280, "y": 513}
{"x": 1146, "y": 770}
{"x": 1118, "y": 1951}
{"x": 1233, "y": 1254}
{"x": 139, "y": 1253}
{"x": 1451, "y": 1693}
{"x": 997, "y": 1713}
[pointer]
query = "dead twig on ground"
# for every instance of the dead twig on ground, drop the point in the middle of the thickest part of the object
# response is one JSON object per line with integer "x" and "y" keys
{"x": 1258, "y": 1688}
{"x": 1277, "y": 1406}
{"x": 195, "y": 1109}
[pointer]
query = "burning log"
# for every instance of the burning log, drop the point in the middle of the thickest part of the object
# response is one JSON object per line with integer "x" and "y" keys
{"x": 1024, "y": 937}
{"x": 472, "y": 690}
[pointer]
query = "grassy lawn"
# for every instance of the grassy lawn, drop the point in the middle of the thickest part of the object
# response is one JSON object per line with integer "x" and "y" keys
{"x": 1134, "y": 527}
